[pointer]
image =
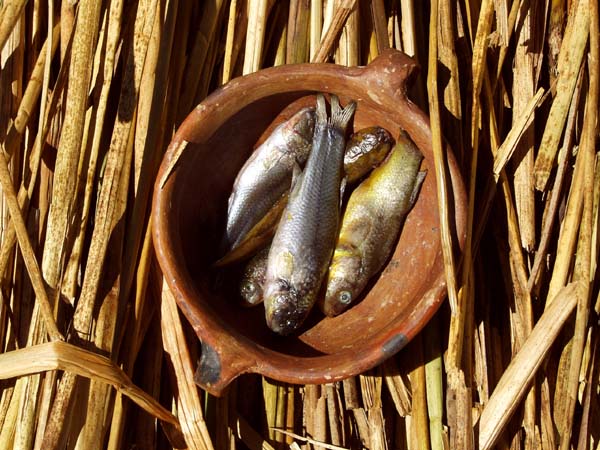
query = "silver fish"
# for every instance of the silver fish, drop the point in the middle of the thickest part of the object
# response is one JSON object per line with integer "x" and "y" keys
{"x": 364, "y": 150}
{"x": 371, "y": 224}
{"x": 305, "y": 238}
{"x": 267, "y": 175}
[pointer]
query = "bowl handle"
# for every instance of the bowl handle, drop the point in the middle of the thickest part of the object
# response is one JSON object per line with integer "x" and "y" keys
{"x": 219, "y": 365}
{"x": 387, "y": 76}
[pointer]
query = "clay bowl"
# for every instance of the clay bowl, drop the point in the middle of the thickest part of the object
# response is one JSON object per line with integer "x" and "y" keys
{"x": 190, "y": 202}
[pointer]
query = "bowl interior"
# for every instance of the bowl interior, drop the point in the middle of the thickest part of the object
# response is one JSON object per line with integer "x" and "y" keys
{"x": 200, "y": 192}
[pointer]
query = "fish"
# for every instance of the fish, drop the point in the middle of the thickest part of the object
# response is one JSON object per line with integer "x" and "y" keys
{"x": 371, "y": 224}
{"x": 365, "y": 149}
{"x": 267, "y": 175}
{"x": 253, "y": 278}
{"x": 258, "y": 236}
{"x": 306, "y": 235}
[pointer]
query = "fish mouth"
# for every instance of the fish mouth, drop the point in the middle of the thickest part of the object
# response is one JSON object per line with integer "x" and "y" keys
{"x": 283, "y": 316}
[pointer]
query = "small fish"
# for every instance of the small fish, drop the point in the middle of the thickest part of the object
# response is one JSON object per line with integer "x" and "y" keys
{"x": 305, "y": 238}
{"x": 371, "y": 224}
{"x": 251, "y": 286}
{"x": 267, "y": 175}
{"x": 258, "y": 236}
{"x": 365, "y": 150}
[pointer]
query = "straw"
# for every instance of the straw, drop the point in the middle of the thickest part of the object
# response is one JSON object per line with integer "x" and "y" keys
{"x": 64, "y": 356}
{"x": 439, "y": 162}
{"x": 570, "y": 58}
{"x": 92, "y": 94}
{"x": 9, "y": 15}
{"x": 342, "y": 12}
{"x": 518, "y": 375}
{"x": 70, "y": 143}
{"x": 523, "y": 89}
{"x": 298, "y": 32}
{"x": 255, "y": 35}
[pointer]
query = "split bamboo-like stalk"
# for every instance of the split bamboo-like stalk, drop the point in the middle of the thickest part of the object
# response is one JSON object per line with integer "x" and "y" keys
{"x": 379, "y": 25}
{"x": 69, "y": 150}
{"x": 397, "y": 386}
{"x": 419, "y": 413}
{"x": 27, "y": 250}
{"x": 523, "y": 88}
{"x": 255, "y": 35}
{"x": 439, "y": 163}
{"x": 348, "y": 50}
{"x": 569, "y": 60}
{"x": 342, "y": 12}
{"x": 478, "y": 68}
{"x": 448, "y": 59}
{"x": 582, "y": 266}
{"x": 9, "y": 15}
{"x": 198, "y": 57}
{"x": 552, "y": 205}
{"x": 371, "y": 385}
{"x": 112, "y": 31}
{"x": 189, "y": 403}
{"x": 335, "y": 413}
{"x": 68, "y": 357}
{"x": 516, "y": 379}
{"x": 236, "y": 33}
{"x": 434, "y": 386}
{"x": 298, "y": 32}
{"x": 316, "y": 26}
{"x": 110, "y": 207}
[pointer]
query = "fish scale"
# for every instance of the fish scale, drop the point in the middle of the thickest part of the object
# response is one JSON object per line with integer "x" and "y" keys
{"x": 305, "y": 238}
{"x": 266, "y": 176}
{"x": 371, "y": 224}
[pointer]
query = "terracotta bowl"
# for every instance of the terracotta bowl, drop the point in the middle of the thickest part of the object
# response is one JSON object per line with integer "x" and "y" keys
{"x": 190, "y": 202}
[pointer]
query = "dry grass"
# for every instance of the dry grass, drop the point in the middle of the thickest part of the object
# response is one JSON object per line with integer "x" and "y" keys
{"x": 94, "y": 351}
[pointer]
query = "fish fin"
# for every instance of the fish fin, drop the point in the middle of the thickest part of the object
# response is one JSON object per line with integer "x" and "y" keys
{"x": 296, "y": 172}
{"x": 341, "y": 117}
{"x": 417, "y": 187}
{"x": 321, "y": 110}
{"x": 297, "y": 177}
{"x": 342, "y": 190}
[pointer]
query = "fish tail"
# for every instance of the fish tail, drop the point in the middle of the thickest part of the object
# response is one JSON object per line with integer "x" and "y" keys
{"x": 321, "y": 110}
{"x": 409, "y": 146}
{"x": 340, "y": 117}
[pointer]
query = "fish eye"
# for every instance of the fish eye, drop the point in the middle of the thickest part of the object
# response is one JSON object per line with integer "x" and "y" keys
{"x": 345, "y": 297}
{"x": 248, "y": 288}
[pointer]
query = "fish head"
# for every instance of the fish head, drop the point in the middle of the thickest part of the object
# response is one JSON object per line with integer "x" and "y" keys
{"x": 303, "y": 125}
{"x": 342, "y": 283}
{"x": 365, "y": 150}
{"x": 251, "y": 291}
{"x": 282, "y": 310}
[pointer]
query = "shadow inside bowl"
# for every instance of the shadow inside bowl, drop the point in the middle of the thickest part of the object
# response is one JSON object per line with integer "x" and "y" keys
{"x": 205, "y": 178}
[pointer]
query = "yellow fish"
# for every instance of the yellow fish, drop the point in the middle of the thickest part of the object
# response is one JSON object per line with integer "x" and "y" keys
{"x": 371, "y": 224}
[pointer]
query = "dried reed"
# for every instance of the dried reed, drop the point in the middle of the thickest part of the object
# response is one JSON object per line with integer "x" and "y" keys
{"x": 95, "y": 353}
